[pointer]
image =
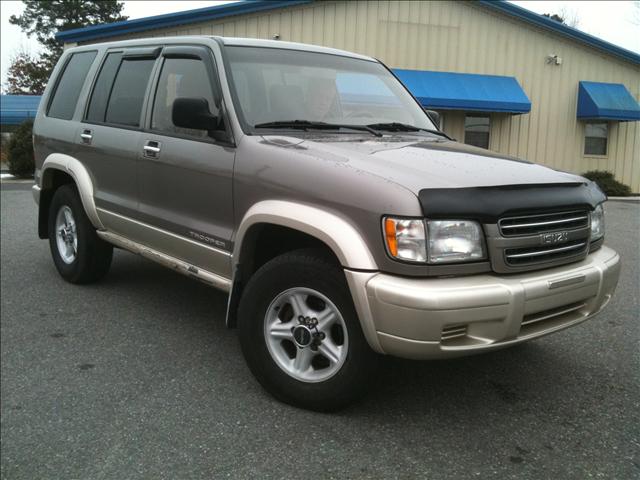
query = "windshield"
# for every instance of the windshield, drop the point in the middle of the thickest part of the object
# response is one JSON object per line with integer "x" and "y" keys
{"x": 282, "y": 85}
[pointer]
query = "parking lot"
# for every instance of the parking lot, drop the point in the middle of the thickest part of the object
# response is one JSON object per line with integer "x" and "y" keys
{"x": 137, "y": 377}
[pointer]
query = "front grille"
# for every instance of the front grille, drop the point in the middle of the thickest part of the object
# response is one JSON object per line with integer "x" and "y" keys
{"x": 529, "y": 255}
{"x": 540, "y": 240}
{"x": 549, "y": 222}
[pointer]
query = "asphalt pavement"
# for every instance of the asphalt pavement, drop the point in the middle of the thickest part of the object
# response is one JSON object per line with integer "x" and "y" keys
{"x": 137, "y": 377}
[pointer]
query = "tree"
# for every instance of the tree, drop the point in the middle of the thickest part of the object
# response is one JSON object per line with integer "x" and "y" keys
{"x": 635, "y": 12}
{"x": 567, "y": 17}
{"x": 26, "y": 75}
{"x": 20, "y": 151}
{"x": 44, "y": 18}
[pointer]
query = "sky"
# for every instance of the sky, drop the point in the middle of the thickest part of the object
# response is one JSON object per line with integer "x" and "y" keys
{"x": 617, "y": 22}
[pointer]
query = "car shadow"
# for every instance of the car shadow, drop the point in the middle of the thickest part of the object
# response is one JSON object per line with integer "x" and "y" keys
{"x": 513, "y": 378}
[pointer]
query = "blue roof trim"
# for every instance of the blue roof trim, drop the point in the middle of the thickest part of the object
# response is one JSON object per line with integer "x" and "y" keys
{"x": 606, "y": 101}
{"x": 173, "y": 19}
{"x": 465, "y": 91}
{"x": 15, "y": 109}
{"x": 547, "y": 23}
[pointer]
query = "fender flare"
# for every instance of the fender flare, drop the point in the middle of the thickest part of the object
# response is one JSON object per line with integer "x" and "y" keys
{"x": 336, "y": 232}
{"x": 82, "y": 179}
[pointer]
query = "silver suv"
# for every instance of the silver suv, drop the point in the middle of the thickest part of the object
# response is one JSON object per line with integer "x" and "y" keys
{"x": 311, "y": 186}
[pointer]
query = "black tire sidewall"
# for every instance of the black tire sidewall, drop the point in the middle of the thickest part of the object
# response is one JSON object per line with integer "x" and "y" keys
{"x": 77, "y": 271}
{"x": 307, "y": 271}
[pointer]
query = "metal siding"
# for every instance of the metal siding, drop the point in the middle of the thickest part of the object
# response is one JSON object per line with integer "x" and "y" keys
{"x": 468, "y": 38}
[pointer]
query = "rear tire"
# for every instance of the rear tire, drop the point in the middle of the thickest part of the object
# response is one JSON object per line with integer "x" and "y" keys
{"x": 79, "y": 255}
{"x": 337, "y": 366}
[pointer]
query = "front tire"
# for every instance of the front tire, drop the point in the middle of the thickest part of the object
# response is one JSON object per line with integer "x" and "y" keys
{"x": 300, "y": 333}
{"x": 79, "y": 255}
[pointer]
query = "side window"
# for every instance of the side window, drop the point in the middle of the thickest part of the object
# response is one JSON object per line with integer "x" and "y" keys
{"x": 181, "y": 78}
{"x": 127, "y": 94}
{"x": 476, "y": 130}
{"x": 595, "y": 138}
{"x": 67, "y": 90}
{"x": 102, "y": 88}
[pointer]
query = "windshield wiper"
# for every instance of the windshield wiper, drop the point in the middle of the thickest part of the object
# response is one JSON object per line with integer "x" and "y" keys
{"x": 403, "y": 127}
{"x": 309, "y": 125}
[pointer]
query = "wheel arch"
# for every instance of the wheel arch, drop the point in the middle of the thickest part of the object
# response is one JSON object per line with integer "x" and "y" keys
{"x": 59, "y": 169}
{"x": 315, "y": 227}
{"x": 339, "y": 235}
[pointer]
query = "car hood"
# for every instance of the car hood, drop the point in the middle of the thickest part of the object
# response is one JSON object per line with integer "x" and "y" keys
{"x": 425, "y": 163}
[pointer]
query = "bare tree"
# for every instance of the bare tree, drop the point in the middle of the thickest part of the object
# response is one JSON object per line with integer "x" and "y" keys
{"x": 635, "y": 12}
{"x": 567, "y": 16}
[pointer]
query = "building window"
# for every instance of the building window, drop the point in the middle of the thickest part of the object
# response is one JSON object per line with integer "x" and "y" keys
{"x": 595, "y": 138}
{"x": 476, "y": 130}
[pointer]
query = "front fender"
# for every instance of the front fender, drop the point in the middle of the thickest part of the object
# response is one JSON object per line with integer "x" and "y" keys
{"x": 337, "y": 233}
{"x": 81, "y": 177}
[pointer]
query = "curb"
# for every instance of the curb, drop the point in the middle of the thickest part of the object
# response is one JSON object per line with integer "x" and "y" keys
{"x": 625, "y": 199}
{"x": 6, "y": 177}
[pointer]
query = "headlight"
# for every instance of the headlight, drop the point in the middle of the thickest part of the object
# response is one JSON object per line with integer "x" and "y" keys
{"x": 448, "y": 240}
{"x": 597, "y": 223}
{"x": 454, "y": 241}
{"x": 405, "y": 239}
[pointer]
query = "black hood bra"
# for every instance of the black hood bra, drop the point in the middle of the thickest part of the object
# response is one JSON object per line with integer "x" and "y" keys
{"x": 488, "y": 204}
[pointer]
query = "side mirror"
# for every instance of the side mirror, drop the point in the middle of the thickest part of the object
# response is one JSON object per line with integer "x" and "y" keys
{"x": 193, "y": 113}
{"x": 434, "y": 116}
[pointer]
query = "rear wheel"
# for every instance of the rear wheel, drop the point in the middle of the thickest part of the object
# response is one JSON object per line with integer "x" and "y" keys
{"x": 300, "y": 334}
{"x": 79, "y": 255}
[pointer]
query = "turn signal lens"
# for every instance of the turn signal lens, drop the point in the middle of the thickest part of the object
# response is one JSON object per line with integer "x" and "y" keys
{"x": 405, "y": 239}
{"x": 597, "y": 223}
{"x": 390, "y": 233}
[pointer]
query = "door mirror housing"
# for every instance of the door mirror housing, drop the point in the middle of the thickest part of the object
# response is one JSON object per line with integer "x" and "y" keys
{"x": 193, "y": 113}
{"x": 433, "y": 116}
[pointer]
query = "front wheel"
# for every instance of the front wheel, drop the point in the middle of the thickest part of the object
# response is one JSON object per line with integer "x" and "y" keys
{"x": 79, "y": 255}
{"x": 300, "y": 333}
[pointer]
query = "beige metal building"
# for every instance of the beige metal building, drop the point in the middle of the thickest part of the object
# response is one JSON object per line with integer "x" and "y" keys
{"x": 578, "y": 105}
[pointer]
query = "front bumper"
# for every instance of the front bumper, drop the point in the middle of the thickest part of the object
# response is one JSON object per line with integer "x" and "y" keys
{"x": 448, "y": 317}
{"x": 35, "y": 190}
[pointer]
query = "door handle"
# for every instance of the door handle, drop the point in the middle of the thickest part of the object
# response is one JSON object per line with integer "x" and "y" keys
{"x": 151, "y": 149}
{"x": 86, "y": 136}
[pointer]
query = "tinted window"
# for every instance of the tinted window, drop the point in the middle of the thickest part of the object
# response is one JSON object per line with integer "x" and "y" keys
{"x": 595, "y": 138}
{"x": 67, "y": 91}
{"x": 476, "y": 130}
{"x": 102, "y": 88}
{"x": 271, "y": 84}
{"x": 127, "y": 94}
{"x": 181, "y": 78}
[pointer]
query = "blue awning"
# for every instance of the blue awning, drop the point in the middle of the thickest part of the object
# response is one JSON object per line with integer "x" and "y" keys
{"x": 606, "y": 101}
{"x": 15, "y": 109}
{"x": 465, "y": 91}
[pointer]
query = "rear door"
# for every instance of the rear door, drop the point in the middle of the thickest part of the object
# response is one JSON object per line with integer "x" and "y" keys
{"x": 185, "y": 176}
{"x": 109, "y": 137}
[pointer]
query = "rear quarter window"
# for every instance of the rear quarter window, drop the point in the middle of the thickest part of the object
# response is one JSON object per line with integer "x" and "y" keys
{"x": 67, "y": 90}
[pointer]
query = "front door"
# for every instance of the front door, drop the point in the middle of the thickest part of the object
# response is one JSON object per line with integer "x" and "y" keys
{"x": 184, "y": 176}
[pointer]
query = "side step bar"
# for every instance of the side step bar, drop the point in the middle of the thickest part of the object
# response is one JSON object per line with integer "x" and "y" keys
{"x": 209, "y": 278}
